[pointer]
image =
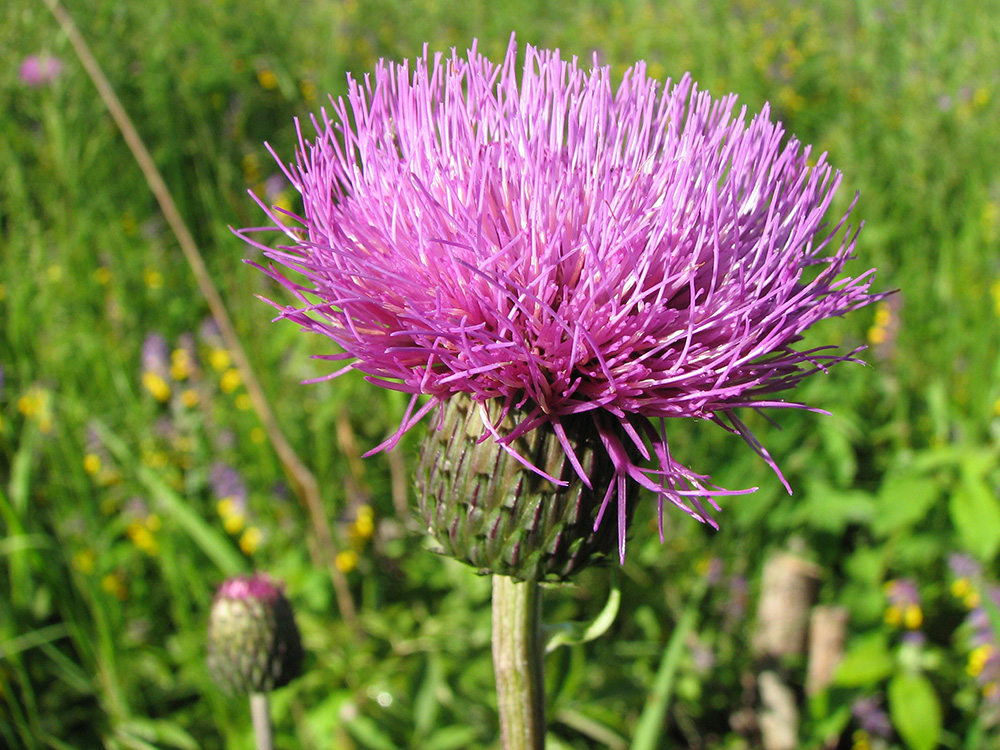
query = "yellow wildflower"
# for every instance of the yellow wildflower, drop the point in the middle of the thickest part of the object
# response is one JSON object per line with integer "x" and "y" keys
{"x": 978, "y": 658}
{"x": 893, "y": 616}
{"x": 346, "y": 561}
{"x": 114, "y": 584}
{"x": 913, "y": 616}
{"x": 960, "y": 587}
{"x": 143, "y": 538}
{"x": 230, "y": 380}
{"x": 153, "y": 278}
{"x": 91, "y": 463}
{"x": 364, "y": 524}
{"x": 33, "y": 403}
{"x": 233, "y": 523}
{"x": 250, "y": 540}
{"x": 156, "y": 385}
{"x": 85, "y": 560}
{"x": 219, "y": 359}
{"x": 861, "y": 740}
{"x": 267, "y": 78}
{"x": 181, "y": 366}
{"x": 877, "y": 335}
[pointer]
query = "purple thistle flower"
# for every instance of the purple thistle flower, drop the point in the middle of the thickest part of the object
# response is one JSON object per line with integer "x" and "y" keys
{"x": 561, "y": 248}
{"x": 40, "y": 70}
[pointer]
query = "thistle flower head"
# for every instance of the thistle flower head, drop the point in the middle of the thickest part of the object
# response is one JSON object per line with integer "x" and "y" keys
{"x": 254, "y": 645}
{"x": 40, "y": 70}
{"x": 547, "y": 242}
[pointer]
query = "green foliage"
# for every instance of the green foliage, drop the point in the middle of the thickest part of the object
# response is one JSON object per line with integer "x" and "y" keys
{"x": 915, "y": 711}
{"x": 114, "y": 534}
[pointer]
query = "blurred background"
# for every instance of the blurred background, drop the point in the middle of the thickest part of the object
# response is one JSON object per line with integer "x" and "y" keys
{"x": 135, "y": 474}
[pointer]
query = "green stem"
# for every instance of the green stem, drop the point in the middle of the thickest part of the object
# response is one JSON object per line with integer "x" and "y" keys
{"x": 518, "y": 663}
{"x": 260, "y": 713}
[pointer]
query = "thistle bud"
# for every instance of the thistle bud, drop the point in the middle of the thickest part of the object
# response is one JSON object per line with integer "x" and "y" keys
{"x": 253, "y": 642}
{"x": 484, "y": 507}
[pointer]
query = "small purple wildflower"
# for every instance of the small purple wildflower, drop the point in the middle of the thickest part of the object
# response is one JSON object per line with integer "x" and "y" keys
{"x": 227, "y": 483}
{"x": 713, "y": 571}
{"x": 903, "y": 604}
{"x": 964, "y": 566}
{"x": 156, "y": 355}
{"x": 40, "y": 70}
{"x": 902, "y": 593}
{"x": 735, "y": 606}
{"x": 136, "y": 507}
{"x": 702, "y": 657}
{"x": 547, "y": 242}
{"x": 209, "y": 333}
{"x": 872, "y": 717}
{"x": 275, "y": 185}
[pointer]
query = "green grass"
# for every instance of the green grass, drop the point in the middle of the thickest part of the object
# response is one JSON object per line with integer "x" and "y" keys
{"x": 106, "y": 572}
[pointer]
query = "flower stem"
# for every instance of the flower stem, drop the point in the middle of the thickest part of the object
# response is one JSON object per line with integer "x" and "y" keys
{"x": 517, "y": 663}
{"x": 260, "y": 713}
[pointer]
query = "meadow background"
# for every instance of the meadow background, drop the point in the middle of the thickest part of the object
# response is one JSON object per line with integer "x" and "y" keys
{"x": 135, "y": 476}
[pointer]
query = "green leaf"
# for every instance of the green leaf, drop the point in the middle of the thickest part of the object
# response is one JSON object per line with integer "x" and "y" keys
{"x": 825, "y": 508}
{"x": 903, "y": 501}
{"x": 425, "y": 703}
{"x": 976, "y": 516}
{"x": 566, "y": 634}
{"x": 866, "y": 565}
{"x": 915, "y": 711}
{"x": 451, "y": 738}
{"x": 867, "y": 661}
{"x": 366, "y": 731}
{"x": 158, "y": 731}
